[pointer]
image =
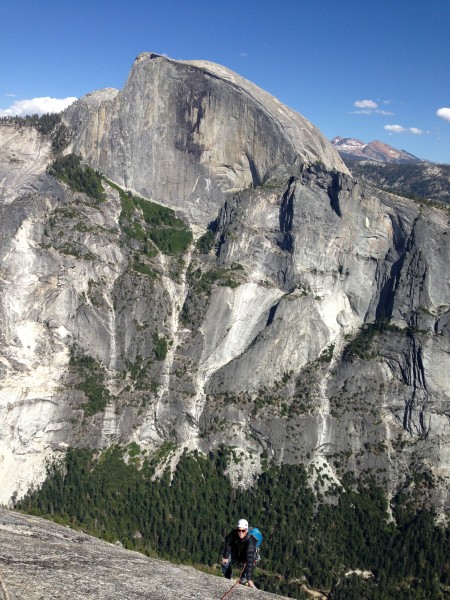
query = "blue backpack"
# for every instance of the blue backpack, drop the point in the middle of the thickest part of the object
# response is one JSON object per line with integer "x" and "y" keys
{"x": 255, "y": 532}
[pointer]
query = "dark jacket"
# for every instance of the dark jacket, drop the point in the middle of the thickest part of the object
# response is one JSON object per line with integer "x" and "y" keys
{"x": 242, "y": 551}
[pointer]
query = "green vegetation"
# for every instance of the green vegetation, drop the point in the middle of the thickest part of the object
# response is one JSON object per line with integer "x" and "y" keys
{"x": 184, "y": 518}
{"x": 327, "y": 354}
{"x": 203, "y": 281}
{"x": 171, "y": 240}
{"x": 361, "y": 344}
{"x": 90, "y": 376}
{"x": 307, "y": 384}
{"x": 65, "y": 223}
{"x": 79, "y": 177}
{"x": 94, "y": 292}
{"x": 154, "y": 227}
{"x": 144, "y": 268}
{"x": 201, "y": 284}
{"x": 160, "y": 347}
{"x": 74, "y": 249}
{"x": 142, "y": 378}
{"x": 205, "y": 243}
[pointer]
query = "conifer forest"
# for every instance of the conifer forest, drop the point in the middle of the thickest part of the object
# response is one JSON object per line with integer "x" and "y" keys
{"x": 183, "y": 516}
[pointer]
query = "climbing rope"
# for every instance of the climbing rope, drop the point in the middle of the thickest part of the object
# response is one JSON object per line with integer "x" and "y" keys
{"x": 233, "y": 586}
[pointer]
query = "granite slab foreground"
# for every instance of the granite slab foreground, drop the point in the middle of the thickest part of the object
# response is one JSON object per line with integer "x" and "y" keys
{"x": 42, "y": 560}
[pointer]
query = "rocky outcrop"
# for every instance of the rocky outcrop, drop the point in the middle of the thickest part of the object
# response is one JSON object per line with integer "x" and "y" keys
{"x": 25, "y": 154}
{"x": 39, "y": 559}
{"x": 309, "y": 323}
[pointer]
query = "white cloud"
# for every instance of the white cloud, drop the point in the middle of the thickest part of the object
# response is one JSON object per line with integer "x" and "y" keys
{"x": 395, "y": 128}
{"x": 401, "y": 129}
{"x": 444, "y": 113}
{"x": 37, "y": 106}
{"x": 370, "y": 107}
{"x": 365, "y": 104}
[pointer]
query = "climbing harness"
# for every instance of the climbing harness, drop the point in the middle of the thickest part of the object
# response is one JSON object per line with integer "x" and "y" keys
{"x": 233, "y": 586}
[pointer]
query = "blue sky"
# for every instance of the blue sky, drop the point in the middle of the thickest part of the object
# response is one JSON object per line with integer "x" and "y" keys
{"x": 355, "y": 68}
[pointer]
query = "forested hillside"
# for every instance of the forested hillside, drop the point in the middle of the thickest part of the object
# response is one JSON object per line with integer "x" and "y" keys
{"x": 420, "y": 181}
{"x": 308, "y": 537}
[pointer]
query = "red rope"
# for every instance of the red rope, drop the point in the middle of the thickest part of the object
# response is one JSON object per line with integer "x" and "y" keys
{"x": 233, "y": 586}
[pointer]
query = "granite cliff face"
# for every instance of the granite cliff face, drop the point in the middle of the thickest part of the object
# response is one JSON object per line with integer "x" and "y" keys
{"x": 184, "y": 133}
{"x": 309, "y": 322}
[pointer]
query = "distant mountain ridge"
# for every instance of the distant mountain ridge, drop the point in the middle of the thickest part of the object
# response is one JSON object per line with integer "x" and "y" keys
{"x": 421, "y": 180}
{"x": 354, "y": 149}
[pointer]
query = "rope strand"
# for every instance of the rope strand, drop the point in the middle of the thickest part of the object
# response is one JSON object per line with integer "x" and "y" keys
{"x": 233, "y": 586}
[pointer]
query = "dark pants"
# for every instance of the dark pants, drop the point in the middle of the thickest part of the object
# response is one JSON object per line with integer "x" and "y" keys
{"x": 227, "y": 570}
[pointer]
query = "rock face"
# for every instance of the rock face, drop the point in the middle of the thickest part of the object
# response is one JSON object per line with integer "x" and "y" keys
{"x": 184, "y": 133}
{"x": 24, "y": 157}
{"x": 39, "y": 559}
{"x": 310, "y": 323}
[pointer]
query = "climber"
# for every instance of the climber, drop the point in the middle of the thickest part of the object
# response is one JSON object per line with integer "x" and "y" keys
{"x": 240, "y": 549}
